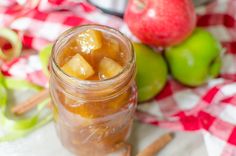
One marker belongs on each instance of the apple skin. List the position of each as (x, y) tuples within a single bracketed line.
[(196, 60), (151, 72), (161, 22)]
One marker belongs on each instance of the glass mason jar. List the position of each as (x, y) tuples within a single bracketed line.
[(93, 117)]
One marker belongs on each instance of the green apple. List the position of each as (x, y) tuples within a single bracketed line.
[(151, 72), (196, 59), (44, 55)]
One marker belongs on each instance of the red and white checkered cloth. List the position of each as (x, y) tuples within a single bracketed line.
[(209, 109)]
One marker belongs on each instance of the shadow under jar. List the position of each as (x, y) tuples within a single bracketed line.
[(93, 117)]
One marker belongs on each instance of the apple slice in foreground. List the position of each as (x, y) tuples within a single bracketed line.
[(78, 67), (108, 68)]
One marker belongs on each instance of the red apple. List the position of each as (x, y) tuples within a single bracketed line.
[(161, 22)]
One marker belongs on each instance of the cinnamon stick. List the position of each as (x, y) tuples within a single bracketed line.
[(157, 145), (30, 103), (128, 150)]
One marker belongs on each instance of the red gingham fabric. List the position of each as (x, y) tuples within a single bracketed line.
[(209, 109), (41, 21)]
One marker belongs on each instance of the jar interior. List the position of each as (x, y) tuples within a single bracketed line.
[(68, 48)]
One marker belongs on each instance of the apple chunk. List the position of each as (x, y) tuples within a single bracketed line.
[(112, 48), (89, 40), (108, 68), (78, 67)]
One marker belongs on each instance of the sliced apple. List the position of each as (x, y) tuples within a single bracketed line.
[(112, 48), (90, 40), (109, 49), (78, 67), (108, 68), (118, 102)]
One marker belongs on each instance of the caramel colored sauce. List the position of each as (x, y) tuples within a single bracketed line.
[(75, 119)]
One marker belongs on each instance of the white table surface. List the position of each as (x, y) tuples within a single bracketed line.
[(44, 142)]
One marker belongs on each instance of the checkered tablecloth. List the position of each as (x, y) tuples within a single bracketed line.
[(209, 109)]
